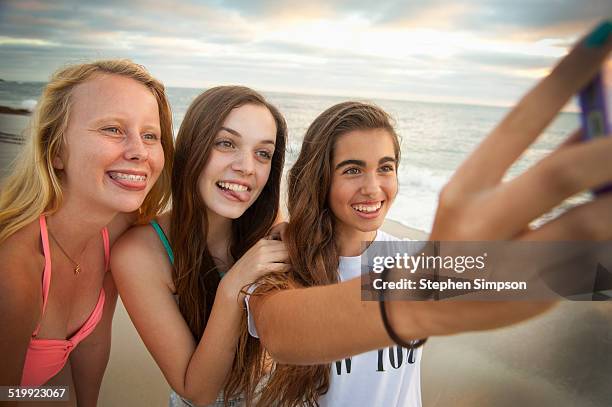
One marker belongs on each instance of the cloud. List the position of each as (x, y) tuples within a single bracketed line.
[(34, 6), (519, 19), (527, 19), (32, 42), (433, 49), (507, 59)]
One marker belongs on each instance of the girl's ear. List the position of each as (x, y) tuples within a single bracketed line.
[(58, 163)]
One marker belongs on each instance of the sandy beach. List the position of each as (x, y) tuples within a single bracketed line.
[(561, 359)]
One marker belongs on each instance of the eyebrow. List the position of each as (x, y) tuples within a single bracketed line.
[(121, 119), (361, 163), (104, 120), (237, 134), (152, 128)]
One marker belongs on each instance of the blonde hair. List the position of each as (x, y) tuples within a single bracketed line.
[(33, 187)]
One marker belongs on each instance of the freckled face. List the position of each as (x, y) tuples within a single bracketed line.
[(364, 179), (112, 154), (240, 161)]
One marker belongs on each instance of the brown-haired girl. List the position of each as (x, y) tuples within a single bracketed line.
[(181, 277), (353, 151)]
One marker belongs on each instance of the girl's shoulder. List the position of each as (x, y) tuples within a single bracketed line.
[(144, 237), (23, 249), (140, 248)]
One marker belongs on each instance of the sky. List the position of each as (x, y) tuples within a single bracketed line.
[(478, 51)]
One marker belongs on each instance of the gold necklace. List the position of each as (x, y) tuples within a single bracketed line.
[(77, 267)]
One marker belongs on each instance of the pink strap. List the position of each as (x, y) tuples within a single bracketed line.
[(46, 277), (44, 237), (106, 241), (92, 321)]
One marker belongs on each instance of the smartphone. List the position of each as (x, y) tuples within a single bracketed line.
[(595, 103)]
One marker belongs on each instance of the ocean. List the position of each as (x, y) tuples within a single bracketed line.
[(435, 139)]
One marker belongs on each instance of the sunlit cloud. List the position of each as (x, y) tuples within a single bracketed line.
[(32, 42)]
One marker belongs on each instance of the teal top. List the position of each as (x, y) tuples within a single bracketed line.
[(164, 240), (166, 243)]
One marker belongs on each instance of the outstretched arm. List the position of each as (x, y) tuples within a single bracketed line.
[(311, 325)]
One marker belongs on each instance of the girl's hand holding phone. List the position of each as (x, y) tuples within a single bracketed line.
[(476, 205)]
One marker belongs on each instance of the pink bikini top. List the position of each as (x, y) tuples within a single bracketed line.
[(46, 357)]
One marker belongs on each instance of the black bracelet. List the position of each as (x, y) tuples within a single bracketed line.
[(385, 318)]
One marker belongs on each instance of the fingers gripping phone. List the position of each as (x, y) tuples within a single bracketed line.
[(595, 103)]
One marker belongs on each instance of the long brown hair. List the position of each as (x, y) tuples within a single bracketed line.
[(34, 187), (195, 274), (310, 236)]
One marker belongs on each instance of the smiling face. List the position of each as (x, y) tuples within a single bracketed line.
[(364, 180), (112, 153), (239, 163)]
